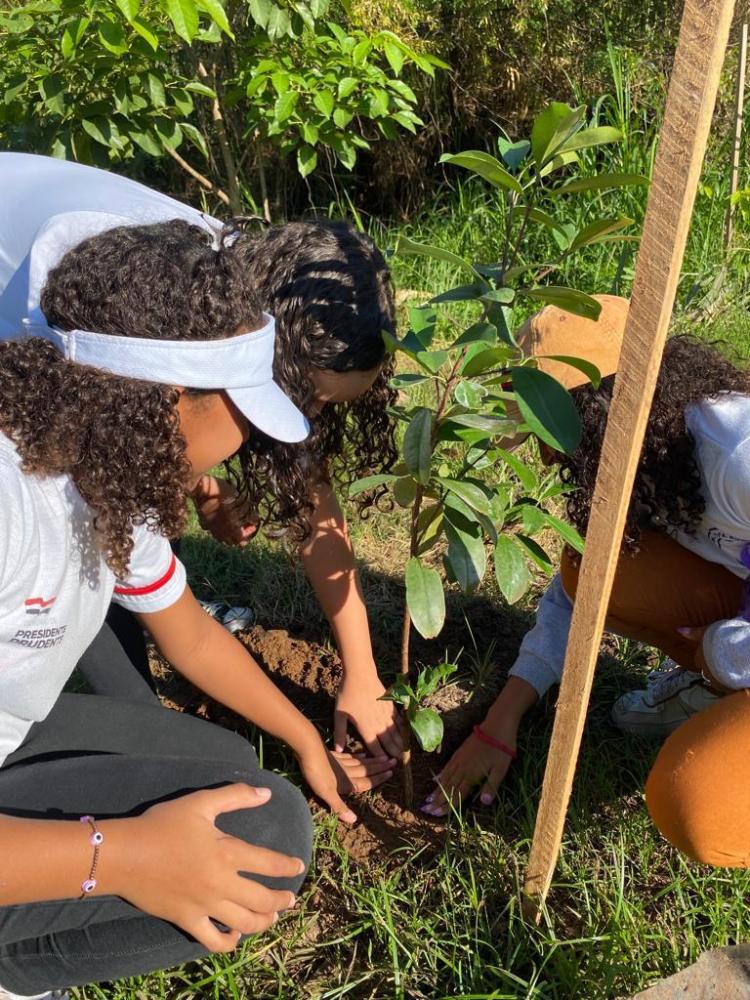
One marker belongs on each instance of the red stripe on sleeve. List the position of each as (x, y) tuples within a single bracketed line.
[(151, 587)]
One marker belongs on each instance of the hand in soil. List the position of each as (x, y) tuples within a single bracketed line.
[(472, 763), (152, 853), (376, 721), (332, 775)]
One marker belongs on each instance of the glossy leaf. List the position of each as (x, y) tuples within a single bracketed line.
[(466, 555), (470, 493), (511, 571), (407, 246), (513, 153), (569, 299), (547, 408), (184, 16), (425, 598), (417, 445), (596, 231), (486, 166), (369, 483), (404, 491), (600, 182), (553, 127), (428, 728), (590, 137), (590, 370), (477, 333), (526, 475)]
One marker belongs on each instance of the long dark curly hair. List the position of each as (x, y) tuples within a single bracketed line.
[(330, 291), (667, 491), (119, 439)]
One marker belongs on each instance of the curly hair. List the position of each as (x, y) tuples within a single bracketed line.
[(667, 490), (119, 439), (330, 291)]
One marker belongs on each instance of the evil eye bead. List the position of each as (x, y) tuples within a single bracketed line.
[(96, 839), (88, 886)]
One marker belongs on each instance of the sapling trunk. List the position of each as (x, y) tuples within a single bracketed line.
[(405, 637)]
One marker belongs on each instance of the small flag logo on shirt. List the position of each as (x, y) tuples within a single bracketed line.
[(38, 606)]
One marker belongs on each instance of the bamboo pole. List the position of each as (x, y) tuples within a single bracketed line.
[(690, 103), (737, 150)]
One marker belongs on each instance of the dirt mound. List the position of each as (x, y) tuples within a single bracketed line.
[(309, 674)]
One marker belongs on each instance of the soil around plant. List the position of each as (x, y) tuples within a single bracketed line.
[(309, 675)]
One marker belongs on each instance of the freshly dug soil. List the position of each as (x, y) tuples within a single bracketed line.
[(309, 674)]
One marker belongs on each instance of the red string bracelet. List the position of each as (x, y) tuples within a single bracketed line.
[(492, 742)]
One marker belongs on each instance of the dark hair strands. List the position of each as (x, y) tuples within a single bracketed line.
[(119, 439), (667, 494)]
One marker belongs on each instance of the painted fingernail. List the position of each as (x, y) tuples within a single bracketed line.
[(486, 799), (430, 797), (684, 630), (263, 793), (338, 748)]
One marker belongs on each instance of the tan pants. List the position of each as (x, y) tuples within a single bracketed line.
[(698, 791)]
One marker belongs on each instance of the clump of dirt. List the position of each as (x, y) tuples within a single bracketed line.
[(309, 675)]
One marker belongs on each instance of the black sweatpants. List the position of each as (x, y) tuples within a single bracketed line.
[(114, 757)]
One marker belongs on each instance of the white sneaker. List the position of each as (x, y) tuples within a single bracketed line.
[(673, 694), (233, 619), (54, 995)]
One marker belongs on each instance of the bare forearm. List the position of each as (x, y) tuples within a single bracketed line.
[(49, 859), (328, 558), (510, 706), (221, 667)]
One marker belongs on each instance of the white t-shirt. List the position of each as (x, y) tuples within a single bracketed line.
[(55, 589), (33, 189)]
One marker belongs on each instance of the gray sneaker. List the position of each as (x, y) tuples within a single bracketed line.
[(672, 695), (54, 995), (233, 619)]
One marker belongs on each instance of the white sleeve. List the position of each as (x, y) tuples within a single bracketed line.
[(157, 577)]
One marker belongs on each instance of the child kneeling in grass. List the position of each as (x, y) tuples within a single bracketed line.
[(681, 586), (331, 295), (125, 828)]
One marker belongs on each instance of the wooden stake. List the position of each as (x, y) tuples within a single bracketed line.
[(738, 117), (690, 102)]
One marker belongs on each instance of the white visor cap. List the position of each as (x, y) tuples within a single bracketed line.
[(241, 365)]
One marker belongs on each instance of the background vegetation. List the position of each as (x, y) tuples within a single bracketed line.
[(165, 90)]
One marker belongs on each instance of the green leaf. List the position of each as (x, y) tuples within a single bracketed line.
[(395, 56), (532, 517), (547, 408), (513, 153), (594, 232), (600, 182), (285, 105), (182, 100), (400, 692), (432, 361), (279, 23), (511, 572), (52, 90), (407, 246), (590, 370), (425, 598), (469, 394), (553, 127), (481, 422), (218, 15), (428, 728), (558, 162), (200, 88), (405, 491), (369, 483), (325, 102), (417, 445), (408, 380), (477, 333), (422, 320), (342, 118), (169, 132), (590, 137), (260, 11), (347, 86), (462, 293), (526, 475), (466, 555), (156, 91), (549, 222), (431, 678), (361, 51), (129, 8), (470, 493), (569, 299), (146, 34), (112, 37), (98, 130), (486, 166), (502, 295), (485, 360), (307, 160), (147, 142), (566, 531), (535, 552), (184, 16), (195, 136), (72, 35)]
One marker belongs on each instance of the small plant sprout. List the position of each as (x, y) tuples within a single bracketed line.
[(469, 392)]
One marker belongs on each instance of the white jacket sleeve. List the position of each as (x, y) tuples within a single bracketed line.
[(542, 654)]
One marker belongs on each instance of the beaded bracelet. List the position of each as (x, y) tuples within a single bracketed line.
[(491, 741), (96, 839)]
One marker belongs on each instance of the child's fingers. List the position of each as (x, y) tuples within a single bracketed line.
[(340, 726), (363, 767), (244, 921), (392, 741), (370, 781), (493, 782), (231, 797), (207, 934), (263, 861), (374, 747)]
